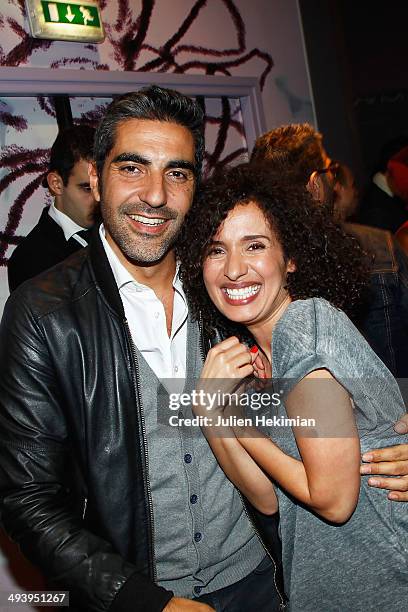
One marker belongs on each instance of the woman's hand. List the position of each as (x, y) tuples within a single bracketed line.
[(231, 361), (262, 367), (227, 364)]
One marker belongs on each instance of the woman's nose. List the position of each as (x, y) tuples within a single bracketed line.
[(235, 265)]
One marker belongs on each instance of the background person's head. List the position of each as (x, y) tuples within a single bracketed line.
[(299, 148), (300, 142), (67, 178), (325, 262)]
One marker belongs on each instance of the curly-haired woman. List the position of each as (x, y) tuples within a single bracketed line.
[(256, 252)]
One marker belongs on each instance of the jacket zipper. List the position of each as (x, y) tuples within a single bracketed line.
[(282, 604), (143, 446)]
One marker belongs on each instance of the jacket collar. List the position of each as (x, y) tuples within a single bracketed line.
[(103, 272)]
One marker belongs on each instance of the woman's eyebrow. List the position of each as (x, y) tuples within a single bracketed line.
[(244, 238), (255, 236)]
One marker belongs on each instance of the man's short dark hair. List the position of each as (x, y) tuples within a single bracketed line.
[(155, 104), (300, 145), (70, 146)]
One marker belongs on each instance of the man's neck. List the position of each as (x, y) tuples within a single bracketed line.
[(158, 276), (68, 225), (58, 204), (160, 279)]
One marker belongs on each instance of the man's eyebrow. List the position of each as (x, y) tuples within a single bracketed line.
[(139, 159), (181, 163), (131, 157)]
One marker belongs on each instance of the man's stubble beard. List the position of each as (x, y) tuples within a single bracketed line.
[(136, 247)]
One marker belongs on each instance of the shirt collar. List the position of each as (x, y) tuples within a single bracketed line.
[(123, 276), (380, 180), (68, 226)]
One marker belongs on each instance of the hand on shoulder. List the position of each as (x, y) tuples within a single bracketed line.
[(391, 461)]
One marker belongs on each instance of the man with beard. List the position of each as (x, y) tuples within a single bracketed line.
[(113, 505)]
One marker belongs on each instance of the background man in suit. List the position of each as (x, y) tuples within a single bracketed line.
[(62, 227), (384, 203)]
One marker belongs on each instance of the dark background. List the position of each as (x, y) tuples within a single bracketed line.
[(358, 60)]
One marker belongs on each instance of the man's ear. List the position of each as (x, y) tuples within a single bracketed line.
[(291, 266), (315, 187), (55, 183), (94, 181)]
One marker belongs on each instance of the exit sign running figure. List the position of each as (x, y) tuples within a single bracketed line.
[(73, 21)]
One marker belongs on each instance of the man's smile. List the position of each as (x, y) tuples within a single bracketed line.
[(148, 220), (148, 225)]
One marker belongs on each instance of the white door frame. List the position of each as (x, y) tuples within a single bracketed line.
[(16, 82)]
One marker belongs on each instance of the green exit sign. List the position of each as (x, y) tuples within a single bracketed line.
[(75, 21), (61, 12)]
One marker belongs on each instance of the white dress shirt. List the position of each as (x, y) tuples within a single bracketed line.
[(147, 320), (380, 180), (68, 226)]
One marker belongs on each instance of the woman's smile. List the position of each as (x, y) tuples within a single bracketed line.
[(241, 293)]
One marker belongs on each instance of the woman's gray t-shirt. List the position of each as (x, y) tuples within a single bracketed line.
[(363, 564)]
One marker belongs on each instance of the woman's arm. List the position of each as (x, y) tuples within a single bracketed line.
[(242, 470), (226, 364), (327, 479)]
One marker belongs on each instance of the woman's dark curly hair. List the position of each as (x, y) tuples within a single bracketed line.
[(329, 263)]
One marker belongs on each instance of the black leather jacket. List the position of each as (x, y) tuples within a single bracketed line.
[(73, 478)]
